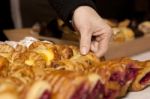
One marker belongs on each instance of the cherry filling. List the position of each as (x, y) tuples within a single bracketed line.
[(46, 95), (145, 79), (80, 93), (131, 73), (97, 91), (116, 76), (111, 94)]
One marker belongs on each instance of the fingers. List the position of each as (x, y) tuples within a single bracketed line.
[(85, 42), (94, 46), (99, 46), (103, 42), (102, 47)]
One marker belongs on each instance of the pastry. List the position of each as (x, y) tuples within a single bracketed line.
[(74, 85), (142, 80), (47, 50), (4, 64), (144, 27), (38, 90), (33, 69), (123, 34)]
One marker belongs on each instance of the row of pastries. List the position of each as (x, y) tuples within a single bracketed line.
[(125, 30), (128, 30)]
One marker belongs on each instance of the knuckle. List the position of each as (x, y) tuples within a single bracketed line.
[(109, 31)]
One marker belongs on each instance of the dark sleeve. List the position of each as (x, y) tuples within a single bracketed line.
[(65, 8)]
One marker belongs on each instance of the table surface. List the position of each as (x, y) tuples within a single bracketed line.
[(144, 94)]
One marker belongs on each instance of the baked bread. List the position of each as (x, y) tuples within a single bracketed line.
[(142, 80), (73, 85), (4, 65), (6, 50), (8, 90), (123, 34), (36, 69), (144, 27), (37, 90), (47, 50)]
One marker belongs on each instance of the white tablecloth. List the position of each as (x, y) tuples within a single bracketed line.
[(142, 56)]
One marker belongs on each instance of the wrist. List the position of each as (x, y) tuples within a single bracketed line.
[(82, 10), (85, 11)]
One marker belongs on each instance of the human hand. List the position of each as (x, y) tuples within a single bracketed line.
[(95, 33)]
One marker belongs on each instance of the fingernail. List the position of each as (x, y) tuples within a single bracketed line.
[(84, 50)]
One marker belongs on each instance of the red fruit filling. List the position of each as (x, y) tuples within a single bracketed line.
[(131, 73), (145, 79), (111, 94), (80, 93), (46, 95), (97, 91), (116, 76)]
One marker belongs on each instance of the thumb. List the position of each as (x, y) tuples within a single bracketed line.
[(85, 42)]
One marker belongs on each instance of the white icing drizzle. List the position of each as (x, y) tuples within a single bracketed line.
[(27, 41), (12, 43)]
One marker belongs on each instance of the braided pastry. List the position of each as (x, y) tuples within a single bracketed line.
[(36, 69)]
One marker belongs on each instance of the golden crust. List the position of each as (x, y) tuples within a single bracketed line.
[(64, 51), (6, 50), (36, 90), (46, 50), (123, 34), (34, 59), (20, 48), (24, 74), (4, 64), (65, 73), (65, 84), (8, 90), (137, 83)]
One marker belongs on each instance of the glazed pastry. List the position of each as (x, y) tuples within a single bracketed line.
[(123, 72), (142, 80), (65, 51), (74, 85), (77, 62), (144, 27), (39, 73), (34, 59), (37, 90), (68, 65), (24, 74), (123, 34), (20, 48), (44, 70), (117, 74), (8, 95), (6, 50), (80, 64), (47, 50), (4, 64), (97, 86), (8, 90)]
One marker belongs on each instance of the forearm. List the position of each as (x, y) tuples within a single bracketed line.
[(65, 8)]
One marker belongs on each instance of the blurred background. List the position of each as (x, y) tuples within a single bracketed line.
[(27, 13), (129, 19)]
